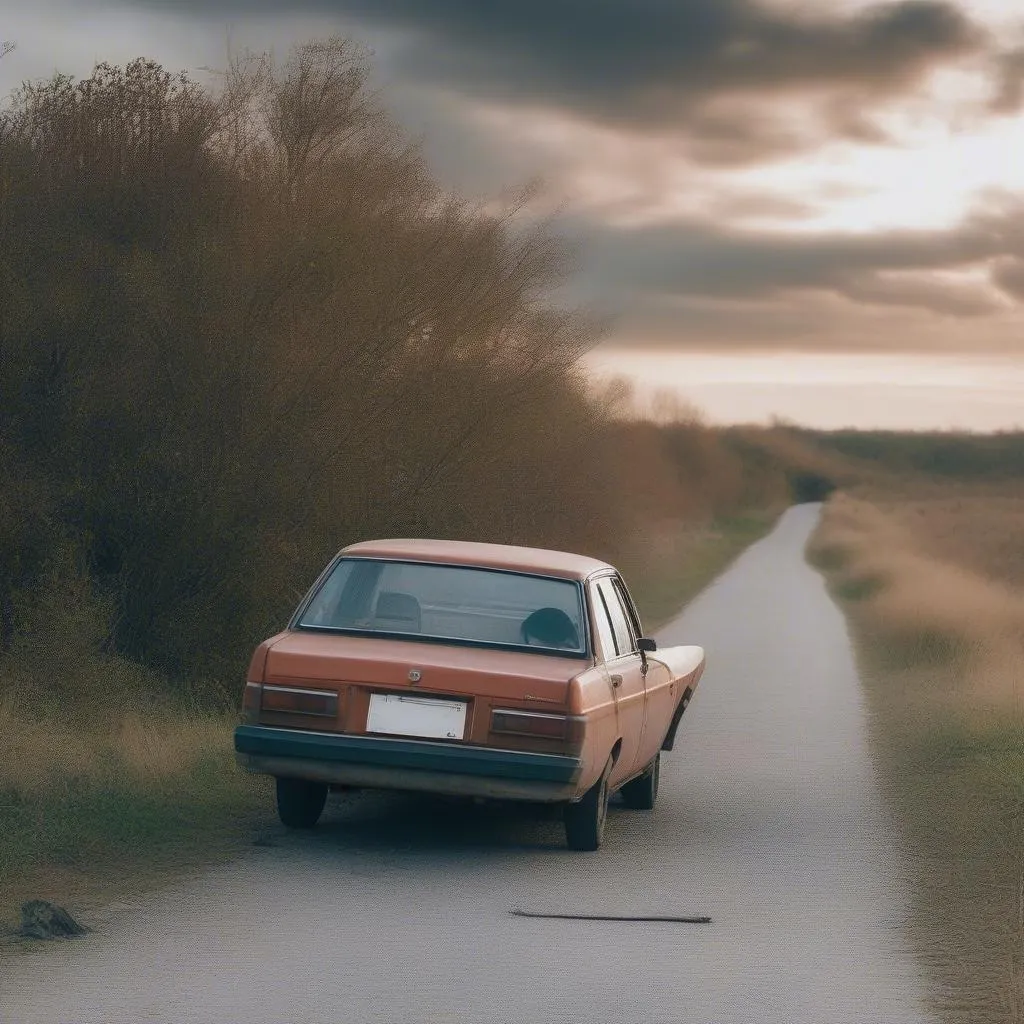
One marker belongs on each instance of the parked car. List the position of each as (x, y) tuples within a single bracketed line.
[(482, 670)]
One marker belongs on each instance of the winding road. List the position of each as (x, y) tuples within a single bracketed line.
[(397, 909)]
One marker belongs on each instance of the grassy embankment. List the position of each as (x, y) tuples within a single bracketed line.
[(931, 574)]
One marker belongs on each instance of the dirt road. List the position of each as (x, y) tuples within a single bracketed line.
[(397, 908)]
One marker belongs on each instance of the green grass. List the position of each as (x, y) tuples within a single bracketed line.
[(858, 588), (959, 793), (662, 592), (84, 820), (78, 836)]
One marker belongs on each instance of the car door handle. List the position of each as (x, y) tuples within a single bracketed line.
[(616, 681)]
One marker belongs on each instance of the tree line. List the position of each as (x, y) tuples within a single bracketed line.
[(242, 326)]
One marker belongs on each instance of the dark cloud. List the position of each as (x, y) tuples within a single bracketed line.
[(709, 82), (1009, 93), (1008, 274), (704, 68), (696, 322), (655, 54), (675, 266), (909, 291), (809, 321)]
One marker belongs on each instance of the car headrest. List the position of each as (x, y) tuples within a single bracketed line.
[(400, 607), (551, 626)]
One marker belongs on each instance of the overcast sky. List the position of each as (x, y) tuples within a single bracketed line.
[(743, 177)]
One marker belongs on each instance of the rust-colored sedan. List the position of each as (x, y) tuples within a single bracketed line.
[(481, 670)]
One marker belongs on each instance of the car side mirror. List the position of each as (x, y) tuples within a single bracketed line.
[(647, 644)]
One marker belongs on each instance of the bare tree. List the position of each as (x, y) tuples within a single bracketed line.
[(288, 336)]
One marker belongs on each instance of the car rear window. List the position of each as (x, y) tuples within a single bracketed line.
[(447, 602)]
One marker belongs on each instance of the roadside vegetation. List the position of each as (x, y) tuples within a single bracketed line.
[(931, 574), (951, 455), (241, 327)]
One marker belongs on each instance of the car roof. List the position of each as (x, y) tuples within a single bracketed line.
[(491, 556)]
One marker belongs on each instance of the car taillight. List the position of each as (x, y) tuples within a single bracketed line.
[(530, 723), (251, 702), (292, 700)]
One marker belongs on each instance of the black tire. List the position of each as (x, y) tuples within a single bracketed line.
[(584, 821), (641, 793), (300, 802)]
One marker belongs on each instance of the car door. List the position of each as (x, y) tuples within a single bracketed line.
[(625, 674), (660, 690)]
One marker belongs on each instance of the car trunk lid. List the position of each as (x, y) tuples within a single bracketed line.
[(329, 660)]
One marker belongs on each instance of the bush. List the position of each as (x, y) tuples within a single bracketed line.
[(242, 329)]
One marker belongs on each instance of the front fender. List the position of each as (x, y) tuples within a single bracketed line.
[(687, 666)]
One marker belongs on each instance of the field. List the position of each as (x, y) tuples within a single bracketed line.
[(931, 576)]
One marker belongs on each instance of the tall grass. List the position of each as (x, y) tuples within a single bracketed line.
[(941, 647), (919, 608), (87, 806)]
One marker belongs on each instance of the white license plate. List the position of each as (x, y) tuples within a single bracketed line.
[(398, 715)]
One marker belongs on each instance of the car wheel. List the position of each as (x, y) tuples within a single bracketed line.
[(584, 821), (640, 793), (300, 802)]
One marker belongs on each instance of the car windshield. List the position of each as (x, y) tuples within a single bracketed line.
[(458, 603)]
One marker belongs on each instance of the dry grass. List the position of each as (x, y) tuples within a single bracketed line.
[(934, 590), (46, 752), (919, 609), (90, 805), (982, 532)]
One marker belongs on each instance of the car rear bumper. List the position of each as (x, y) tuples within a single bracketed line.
[(384, 763)]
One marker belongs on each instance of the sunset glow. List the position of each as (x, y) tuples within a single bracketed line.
[(929, 176), (830, 391)]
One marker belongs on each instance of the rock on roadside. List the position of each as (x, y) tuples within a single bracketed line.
[(43, 920)]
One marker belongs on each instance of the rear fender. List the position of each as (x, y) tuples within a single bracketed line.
[(591, 697), (609, 766)]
